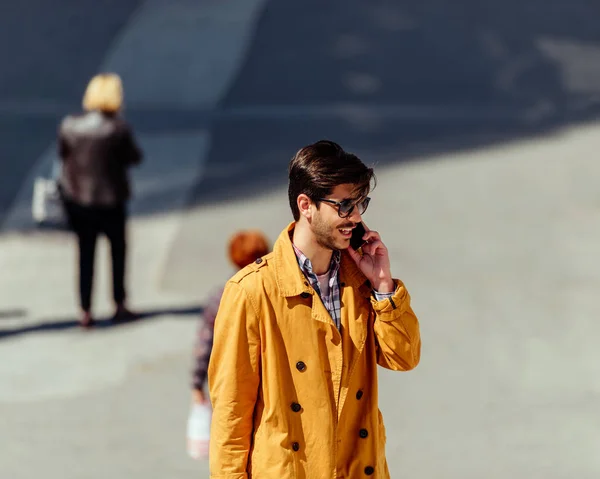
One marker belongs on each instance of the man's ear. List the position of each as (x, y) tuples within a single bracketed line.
[(304, 204)]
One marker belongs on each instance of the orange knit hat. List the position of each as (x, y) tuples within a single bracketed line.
[(246, 246)]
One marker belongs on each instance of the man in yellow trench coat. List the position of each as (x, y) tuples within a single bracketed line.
[(299, 335)]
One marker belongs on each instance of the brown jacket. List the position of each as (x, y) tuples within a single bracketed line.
[(96, 149)]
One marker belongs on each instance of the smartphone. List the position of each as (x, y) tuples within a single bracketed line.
[(356, 240)]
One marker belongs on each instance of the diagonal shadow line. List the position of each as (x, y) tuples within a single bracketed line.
[(55, 325)]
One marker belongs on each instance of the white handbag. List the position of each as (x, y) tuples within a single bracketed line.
[(47, 206), (198, 430)]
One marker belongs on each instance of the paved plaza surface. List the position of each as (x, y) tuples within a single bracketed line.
[(480, 122)]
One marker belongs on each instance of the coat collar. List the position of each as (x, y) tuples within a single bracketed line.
[(291, 280)]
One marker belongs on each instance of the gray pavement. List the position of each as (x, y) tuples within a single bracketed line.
[(478, 117)]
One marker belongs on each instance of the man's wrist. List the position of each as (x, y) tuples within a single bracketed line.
[(385, 286)]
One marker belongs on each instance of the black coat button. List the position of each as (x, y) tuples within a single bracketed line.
[(300, 366), (305, 295), (258, 261), (369, 471), (295, 446), (359, 395), (296, 407), (363, 433)]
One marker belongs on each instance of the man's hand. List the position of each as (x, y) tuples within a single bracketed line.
[(374, 262)]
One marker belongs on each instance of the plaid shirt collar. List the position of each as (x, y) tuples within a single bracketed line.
[(331, 298)]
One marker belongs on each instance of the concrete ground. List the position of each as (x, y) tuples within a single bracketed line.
[(481, 130)]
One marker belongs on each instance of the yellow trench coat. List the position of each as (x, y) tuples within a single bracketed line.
[(294, 397)]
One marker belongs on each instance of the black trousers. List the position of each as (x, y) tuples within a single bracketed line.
[(88, 222)]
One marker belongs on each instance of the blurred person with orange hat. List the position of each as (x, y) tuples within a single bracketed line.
[(244, 247)]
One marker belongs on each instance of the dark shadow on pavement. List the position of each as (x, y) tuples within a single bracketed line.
[(400, 81), (391, 81), (56, 325), (53, 49)]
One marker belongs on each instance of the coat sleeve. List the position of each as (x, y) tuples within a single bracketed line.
[(63, 148), (130, 151), (204, 340), (233, 378), (397, 331), (202, 354)]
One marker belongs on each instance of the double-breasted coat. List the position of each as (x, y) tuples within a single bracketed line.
[(293, 396)]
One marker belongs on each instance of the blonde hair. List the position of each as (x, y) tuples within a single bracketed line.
[(104, 92)]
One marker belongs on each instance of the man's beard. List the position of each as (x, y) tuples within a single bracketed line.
[(326, 234)]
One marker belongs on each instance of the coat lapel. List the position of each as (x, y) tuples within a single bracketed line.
[(289, 277)]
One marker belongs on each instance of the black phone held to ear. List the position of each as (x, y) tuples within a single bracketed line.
[(356, 240)]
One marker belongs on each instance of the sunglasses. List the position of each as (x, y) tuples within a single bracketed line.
[(346, 207)]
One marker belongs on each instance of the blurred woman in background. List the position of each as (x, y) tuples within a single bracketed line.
[(244, 248), (97, 147)]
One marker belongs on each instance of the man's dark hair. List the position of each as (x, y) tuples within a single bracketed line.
[(318, 168)]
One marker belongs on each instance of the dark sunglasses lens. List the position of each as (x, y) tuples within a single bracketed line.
[(345, 208), (362, 206)]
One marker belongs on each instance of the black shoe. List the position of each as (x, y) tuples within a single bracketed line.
[(123, 315)]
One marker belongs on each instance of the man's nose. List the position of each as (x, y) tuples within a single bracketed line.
[(355, 216)]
